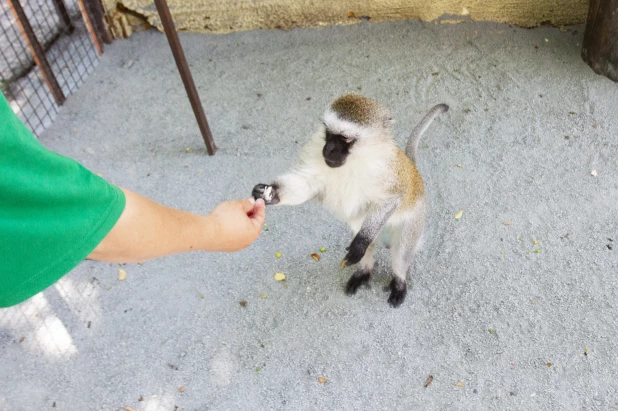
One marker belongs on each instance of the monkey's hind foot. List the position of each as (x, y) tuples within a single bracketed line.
[(358, 278), (399, 289)]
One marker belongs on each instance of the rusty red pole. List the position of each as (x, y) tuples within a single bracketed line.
[(185, 74), (37, 51)]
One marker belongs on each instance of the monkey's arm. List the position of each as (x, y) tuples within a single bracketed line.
[(292, 188), (370, 229)]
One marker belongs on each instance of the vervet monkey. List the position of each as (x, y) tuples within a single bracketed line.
[(354, 168)]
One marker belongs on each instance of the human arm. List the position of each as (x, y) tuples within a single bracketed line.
[(148, 230)]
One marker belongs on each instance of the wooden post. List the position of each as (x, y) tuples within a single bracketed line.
[(600, 45)]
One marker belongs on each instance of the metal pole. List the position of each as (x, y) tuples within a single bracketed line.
[(64, 15), (90, 26), (185, 74), (37, 51), (98, 14)]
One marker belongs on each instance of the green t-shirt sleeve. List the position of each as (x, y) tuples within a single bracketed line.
[(53, 212)]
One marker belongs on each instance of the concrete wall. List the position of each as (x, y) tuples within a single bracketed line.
[(221, 16)]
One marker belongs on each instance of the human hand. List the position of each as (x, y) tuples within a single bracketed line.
[(236, 224)]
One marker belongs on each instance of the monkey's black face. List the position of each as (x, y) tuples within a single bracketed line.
[(336, 149)]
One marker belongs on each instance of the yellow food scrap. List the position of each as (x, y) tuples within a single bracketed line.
[(278, 255), (322, 380), (507, 223), (181, 389), (279, 276), (459, 384), (122, 274), (458, 215), (315, 257)]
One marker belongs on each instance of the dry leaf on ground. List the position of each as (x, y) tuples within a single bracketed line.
[(122, 274), (279, 276), (315, 257), (322, 380)]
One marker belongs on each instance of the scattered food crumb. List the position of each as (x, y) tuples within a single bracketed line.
[(540, 95), (466, 110), (459, 384), (181, 389), (512, 364), (265, 228), (324, 249), (491, 331), (549, 364), (459, 165), (546, 40), (535, 242), (571, 112), (428, 381), (122, 274), (279, 276), (21, 340), (141, 398), (201, 295), (351, 14), (458, 215), (537, 251), (507, 223), (243, 303), (315, 257), (435, 73), (610, 247), (536, 46), (188, 149), (593, 173), (532, 302), (586, 352), (244, 127), (259, 95), (308, 98), (322, 380), (263, 297), (127, 408)]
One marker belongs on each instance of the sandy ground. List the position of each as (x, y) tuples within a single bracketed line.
[(519, 316)]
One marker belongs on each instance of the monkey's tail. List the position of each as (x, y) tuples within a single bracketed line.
[(412, 146)]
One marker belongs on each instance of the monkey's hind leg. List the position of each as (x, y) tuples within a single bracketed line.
[(362, 275), (406, 241)]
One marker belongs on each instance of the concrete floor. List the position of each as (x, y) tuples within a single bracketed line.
[(519, 316)]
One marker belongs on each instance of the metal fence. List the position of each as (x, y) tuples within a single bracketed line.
[(47, 50)]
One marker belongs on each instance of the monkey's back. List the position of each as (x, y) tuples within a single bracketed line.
[(408, 182)]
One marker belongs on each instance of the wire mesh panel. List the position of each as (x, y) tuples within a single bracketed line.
[(60, 29)]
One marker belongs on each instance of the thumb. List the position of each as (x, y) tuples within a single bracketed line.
[(259, 214), (247, 204)]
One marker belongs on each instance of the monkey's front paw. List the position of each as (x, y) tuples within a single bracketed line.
[(358, 279), (355, 254), (268, 193), (399, 289)]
